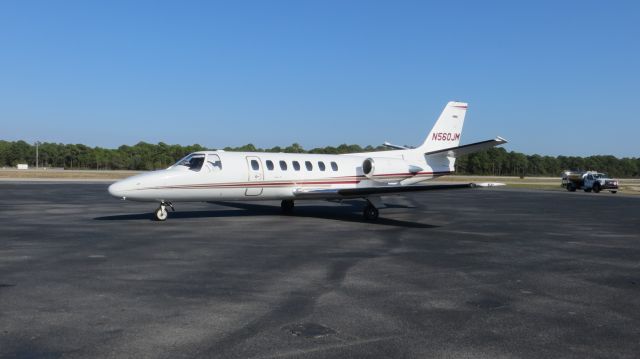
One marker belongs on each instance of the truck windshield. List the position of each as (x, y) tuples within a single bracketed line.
[(193, 161), (600, 175)]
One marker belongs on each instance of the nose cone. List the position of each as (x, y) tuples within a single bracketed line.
[(118, 189), (137, 188)]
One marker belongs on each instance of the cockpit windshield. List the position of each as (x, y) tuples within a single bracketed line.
[(193, 161)]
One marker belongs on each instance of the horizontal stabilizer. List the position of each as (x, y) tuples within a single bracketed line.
[(395, 147), (470, 148)]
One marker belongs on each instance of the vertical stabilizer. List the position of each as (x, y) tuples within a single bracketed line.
[(447, 130)]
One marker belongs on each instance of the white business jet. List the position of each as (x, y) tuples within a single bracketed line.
[(234, 176)]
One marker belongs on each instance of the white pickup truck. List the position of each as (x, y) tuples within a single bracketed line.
[(588, 181)]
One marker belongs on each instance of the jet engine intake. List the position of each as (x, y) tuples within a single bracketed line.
[(388, 170)]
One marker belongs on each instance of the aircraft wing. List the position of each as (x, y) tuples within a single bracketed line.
[(470, 148), (372, 191)]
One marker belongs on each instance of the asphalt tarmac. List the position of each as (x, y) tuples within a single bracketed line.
[(479, 273)]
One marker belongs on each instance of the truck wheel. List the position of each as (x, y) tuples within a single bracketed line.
[(571, 187), (614, 191), (596, 188)]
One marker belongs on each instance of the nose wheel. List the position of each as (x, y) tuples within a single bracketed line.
[(161, 213)]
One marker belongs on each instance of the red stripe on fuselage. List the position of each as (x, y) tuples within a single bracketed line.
[(337, 180)]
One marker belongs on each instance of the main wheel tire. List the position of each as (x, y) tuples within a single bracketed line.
[(287, 206), (161, 213), (596, 188), (370, 213)]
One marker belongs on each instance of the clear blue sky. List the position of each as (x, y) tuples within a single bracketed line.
[(553, 77)]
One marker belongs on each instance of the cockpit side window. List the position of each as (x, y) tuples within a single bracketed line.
[(214, 163)]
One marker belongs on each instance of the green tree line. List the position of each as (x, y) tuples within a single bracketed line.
[(499, 162), (146, 156)]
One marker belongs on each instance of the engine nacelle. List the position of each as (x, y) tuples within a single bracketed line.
[(388, 170)]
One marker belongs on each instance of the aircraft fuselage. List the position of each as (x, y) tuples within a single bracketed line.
[(262, 176)]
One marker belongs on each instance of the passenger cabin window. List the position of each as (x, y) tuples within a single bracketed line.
[(334, 166), (308, 165), (255, 165), (321, 166), (269, 165), (283, 165), (296, 165)]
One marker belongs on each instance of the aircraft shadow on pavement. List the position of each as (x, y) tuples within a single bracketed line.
[(338, 213)]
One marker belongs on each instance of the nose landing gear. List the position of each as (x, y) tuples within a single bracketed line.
[(161, 213)]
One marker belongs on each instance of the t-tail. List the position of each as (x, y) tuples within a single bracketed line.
[(442, 145), (447, 130)]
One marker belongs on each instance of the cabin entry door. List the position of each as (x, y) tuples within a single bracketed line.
[(256, 174)]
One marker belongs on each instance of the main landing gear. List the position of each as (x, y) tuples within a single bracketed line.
[(287, 206), (161, 213), (370, 212)]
